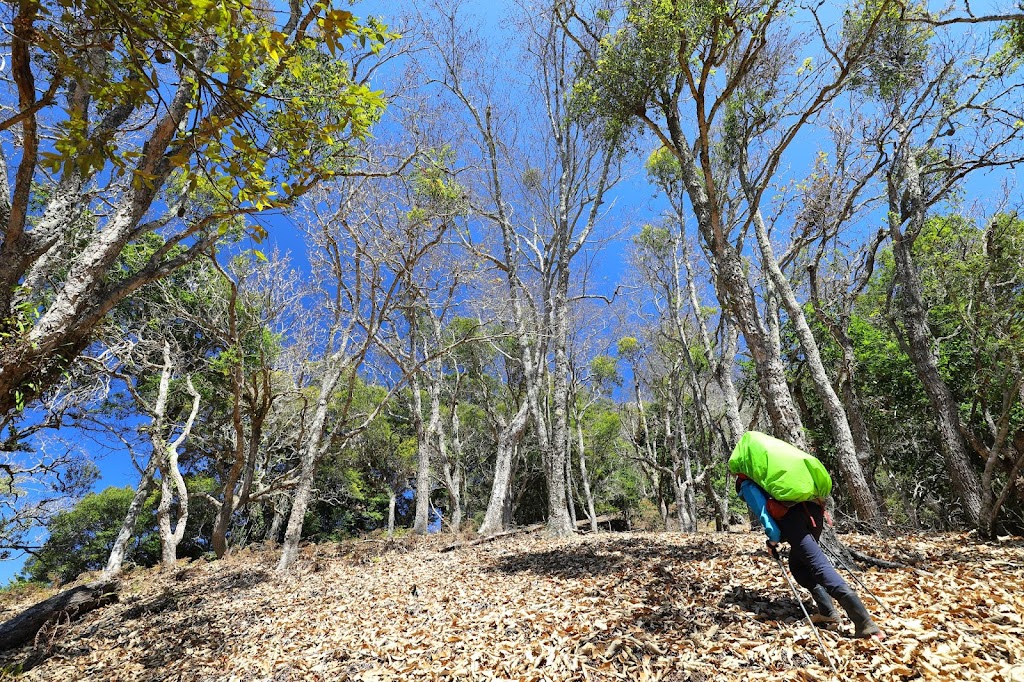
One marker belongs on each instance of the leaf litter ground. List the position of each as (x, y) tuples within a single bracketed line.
[(605, 607)]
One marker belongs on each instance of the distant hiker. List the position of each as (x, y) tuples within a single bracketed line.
[(785, 489)]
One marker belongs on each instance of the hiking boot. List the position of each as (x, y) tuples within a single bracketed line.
[(826, 614), (824, 621), (863, 625)]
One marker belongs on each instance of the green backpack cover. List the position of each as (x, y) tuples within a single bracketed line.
[(787, 473)]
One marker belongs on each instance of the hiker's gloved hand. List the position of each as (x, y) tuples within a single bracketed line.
[(773, 549)]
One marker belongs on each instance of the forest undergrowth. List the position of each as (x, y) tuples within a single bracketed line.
[(622, 606)]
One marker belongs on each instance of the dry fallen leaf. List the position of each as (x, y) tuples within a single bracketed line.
[(608, 607)]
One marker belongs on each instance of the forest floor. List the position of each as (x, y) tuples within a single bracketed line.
[(622, 606)]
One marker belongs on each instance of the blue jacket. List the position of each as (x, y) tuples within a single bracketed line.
[(757, 500)]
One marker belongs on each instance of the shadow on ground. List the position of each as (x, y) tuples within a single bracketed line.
[(588, 560), (765, 606), (177, 612)]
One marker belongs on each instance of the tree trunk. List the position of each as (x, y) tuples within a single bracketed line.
[(560, 521), (917, 337), (663, 509), (585, 477), (453, 470), (858, 425), (171, 533), (118, 551), (680, 474), (570, 491), (735, 293), (423, 447), (724, 373), (919, 342), (497, 516), (770, 371), (679, 484), (846, 453), (280, 512), (690, 489), (70, 603), (242, 470), (437, 439), (452, 484), (229, 498), (722, 366), (554, 462), (219, 534), (168, 543), (392, 503), (719, 502), (310, 458)]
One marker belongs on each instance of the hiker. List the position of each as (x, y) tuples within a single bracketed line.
[(798, 523)]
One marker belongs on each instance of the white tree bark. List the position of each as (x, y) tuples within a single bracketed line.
[(588, 495), (124, 536), (453, 470), (172, 532), (310, 458), (163, 458), (496, 517), (424, 448), (846, 452), (392, 502)]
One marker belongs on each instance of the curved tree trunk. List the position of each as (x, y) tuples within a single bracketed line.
[(905, 180), (310, 457), (166, 453), (496, 517), (735, 294), (120, 548), (846, 453)]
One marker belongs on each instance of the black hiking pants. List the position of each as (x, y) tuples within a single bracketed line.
[(801, 527)]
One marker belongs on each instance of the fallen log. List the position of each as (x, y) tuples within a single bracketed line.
[(607, 518), (882, 563), (69, 603), (492, 538)]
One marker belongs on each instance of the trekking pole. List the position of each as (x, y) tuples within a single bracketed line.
[(842, 562), (796, 595)]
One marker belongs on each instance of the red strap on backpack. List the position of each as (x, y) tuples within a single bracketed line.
[(810, 516), (776, 509)]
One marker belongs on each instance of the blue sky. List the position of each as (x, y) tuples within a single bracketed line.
[(635, 197)]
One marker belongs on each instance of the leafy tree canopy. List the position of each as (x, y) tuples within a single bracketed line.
[(82, 537)]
